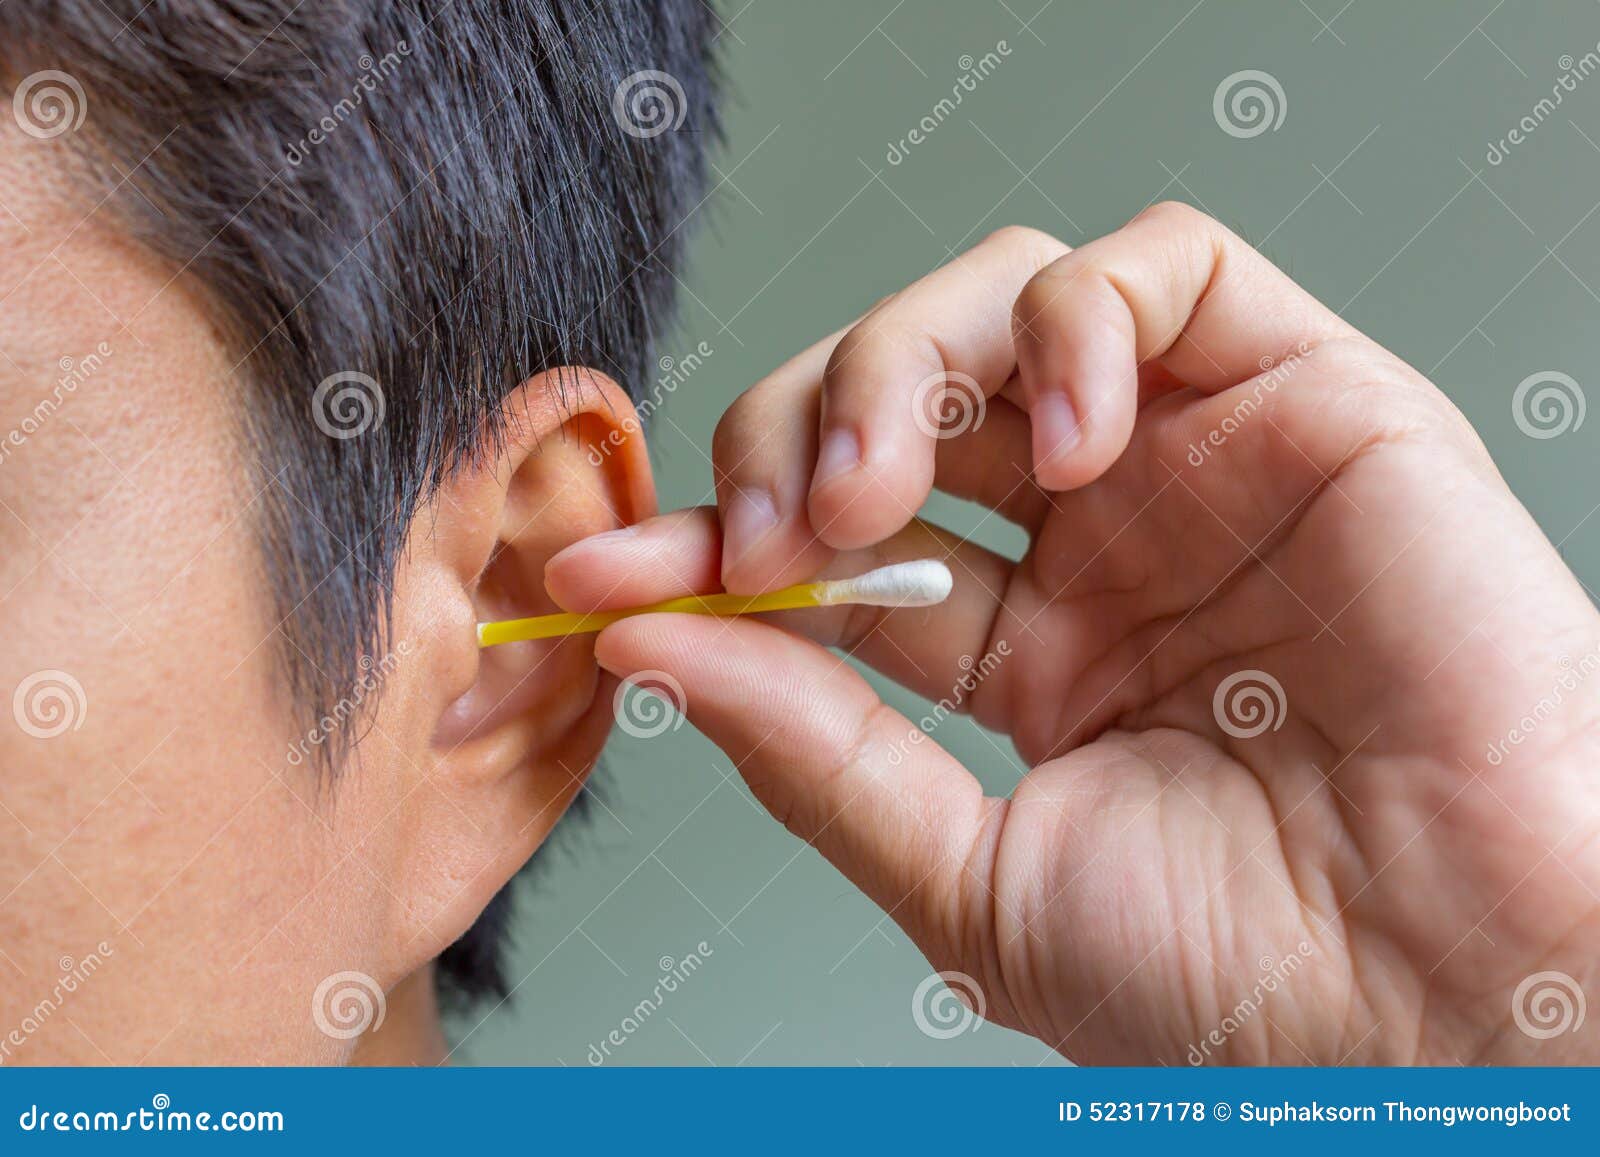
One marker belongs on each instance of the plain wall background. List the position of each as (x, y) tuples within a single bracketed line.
[(1376, 191)]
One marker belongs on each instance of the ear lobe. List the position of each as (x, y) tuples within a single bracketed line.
[(517, 727)]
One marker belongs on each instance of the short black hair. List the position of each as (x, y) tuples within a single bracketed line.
[(397, 205)]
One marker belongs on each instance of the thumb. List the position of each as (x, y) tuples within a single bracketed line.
[(894, 812)]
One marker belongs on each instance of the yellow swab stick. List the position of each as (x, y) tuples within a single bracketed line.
[(905, 584)]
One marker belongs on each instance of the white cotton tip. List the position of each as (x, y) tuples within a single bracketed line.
[(905, 584)]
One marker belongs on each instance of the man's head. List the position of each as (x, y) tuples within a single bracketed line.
[(311, 319)]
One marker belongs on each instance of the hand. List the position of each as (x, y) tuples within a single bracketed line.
[(1226, 488)]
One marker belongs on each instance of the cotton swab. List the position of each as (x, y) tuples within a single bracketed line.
[(904, 584)]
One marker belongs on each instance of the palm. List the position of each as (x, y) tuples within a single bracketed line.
[(1296, 843)]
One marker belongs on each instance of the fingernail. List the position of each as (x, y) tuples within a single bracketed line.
[(840, 453), (751, 514), (1056, 429)]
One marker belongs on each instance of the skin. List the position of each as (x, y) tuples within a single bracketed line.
[(166, 839), (1348, 536)]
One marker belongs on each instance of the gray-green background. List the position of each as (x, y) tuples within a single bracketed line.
[(1376, 191)]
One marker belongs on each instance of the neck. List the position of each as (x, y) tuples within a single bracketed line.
[(411, 1033)]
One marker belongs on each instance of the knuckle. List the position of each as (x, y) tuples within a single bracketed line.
[(729, 440), (850, 347), (1192, 238), (1025, 248), (1025, 238), (1051, 289), (858, 338), (1178, 214), (863, 353)]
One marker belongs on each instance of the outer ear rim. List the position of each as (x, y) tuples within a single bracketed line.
[(528, 415)]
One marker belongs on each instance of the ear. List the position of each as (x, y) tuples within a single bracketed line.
[(500, 740)]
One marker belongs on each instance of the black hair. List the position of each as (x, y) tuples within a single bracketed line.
[(397, 211)]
